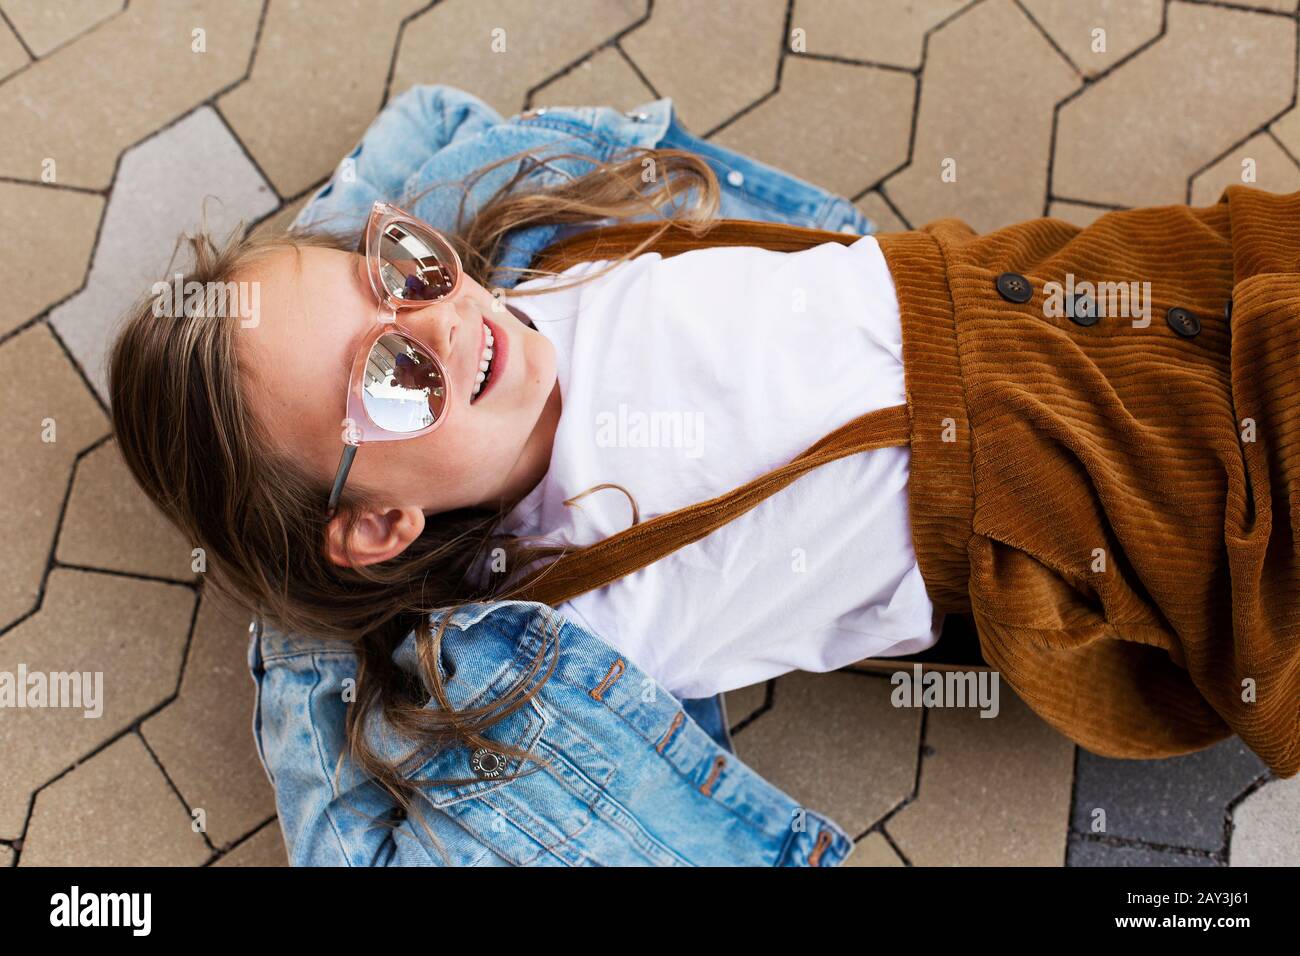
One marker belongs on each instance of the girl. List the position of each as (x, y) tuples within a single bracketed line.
[(736, 449)]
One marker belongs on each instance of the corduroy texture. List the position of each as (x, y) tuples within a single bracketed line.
[(1088, 492)]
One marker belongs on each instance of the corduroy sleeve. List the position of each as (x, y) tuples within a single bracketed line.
[(1128, 695)]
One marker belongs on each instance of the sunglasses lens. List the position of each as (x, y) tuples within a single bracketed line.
[(404, 389), (414, 264)]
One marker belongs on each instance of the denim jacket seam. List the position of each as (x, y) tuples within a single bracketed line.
[(672, 765), (328, 810)]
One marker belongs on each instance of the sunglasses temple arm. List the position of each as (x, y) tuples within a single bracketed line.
[(340, 477)]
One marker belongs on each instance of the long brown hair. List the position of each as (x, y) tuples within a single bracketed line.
[(183, 423)]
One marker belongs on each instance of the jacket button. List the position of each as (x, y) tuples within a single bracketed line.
[(1183, 322), (638, 117), (1014, 287), (1227, 309), (1082, 309), (487, 763)]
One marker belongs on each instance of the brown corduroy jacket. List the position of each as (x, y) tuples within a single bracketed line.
[(1115, 498)]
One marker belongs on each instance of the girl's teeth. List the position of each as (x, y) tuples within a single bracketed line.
[(485, 362), (483, 365)]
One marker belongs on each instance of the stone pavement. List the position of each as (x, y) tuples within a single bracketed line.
[(120, 123)]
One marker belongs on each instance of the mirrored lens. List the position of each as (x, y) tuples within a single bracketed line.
[(403, 389), (414, 264)]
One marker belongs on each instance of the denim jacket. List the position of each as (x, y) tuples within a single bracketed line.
[(626, 774)]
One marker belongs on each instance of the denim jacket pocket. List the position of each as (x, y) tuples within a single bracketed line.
[(524, 813)]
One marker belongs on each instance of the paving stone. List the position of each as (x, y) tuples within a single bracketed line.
[(713, 59), (1266, 826), (110, 524), (453, 43), (836, 744), (1215, 76), (7, 855), (131, 631), (1127, 24), (1282, 6), (162, 189), (284, 216), (315, 85), (802, 130), (37, 382), (607, 79), (993, 791), (991, 81), (90, 99), (12, 55), (892, 33), (744, 702), (59, 258), (1074, 212), (263, 848), (1095, 853), (44, 25), (115, 809), (1287, 130), (879, 212), (873, 850), (204, 738), (1270, 166), (1176, 801)]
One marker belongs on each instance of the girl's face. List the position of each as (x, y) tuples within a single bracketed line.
[(297, 359)]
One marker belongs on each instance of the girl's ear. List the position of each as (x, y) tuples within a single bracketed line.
[(377, 536)]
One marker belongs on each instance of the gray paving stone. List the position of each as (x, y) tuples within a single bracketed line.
[(1266, 826), (1177, 801), (1096, 853), (836, 744), (744, 702), (159, 192), (44, 25)]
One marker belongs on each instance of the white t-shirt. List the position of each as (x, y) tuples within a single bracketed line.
[(682, 378)]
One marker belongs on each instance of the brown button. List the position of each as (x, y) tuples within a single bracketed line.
[(1014, 287)]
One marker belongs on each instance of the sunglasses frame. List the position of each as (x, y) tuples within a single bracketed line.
[(358, 426)]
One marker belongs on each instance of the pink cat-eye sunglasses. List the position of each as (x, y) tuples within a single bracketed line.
[(399, 387)]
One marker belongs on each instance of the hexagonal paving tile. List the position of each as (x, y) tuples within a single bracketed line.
[(37, 385), (131, 632), (116, 809), (1084, 852), (880, 213), (45, 26), (110, 524), (713, 59), (1213, 77), (744, 702), (263, 848), (87, 101), (58, 258), (161, 190), (12, 55), (502, 50), (893, 32), (836, 744), (873, 850), (1124, 26), (993, 791), (1074, 212), (1177, 801), (1259, 157), (1266, 826), (204, 738), (801, 128), (607, 79), (315, 85), (991, 82), (7, 855)]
